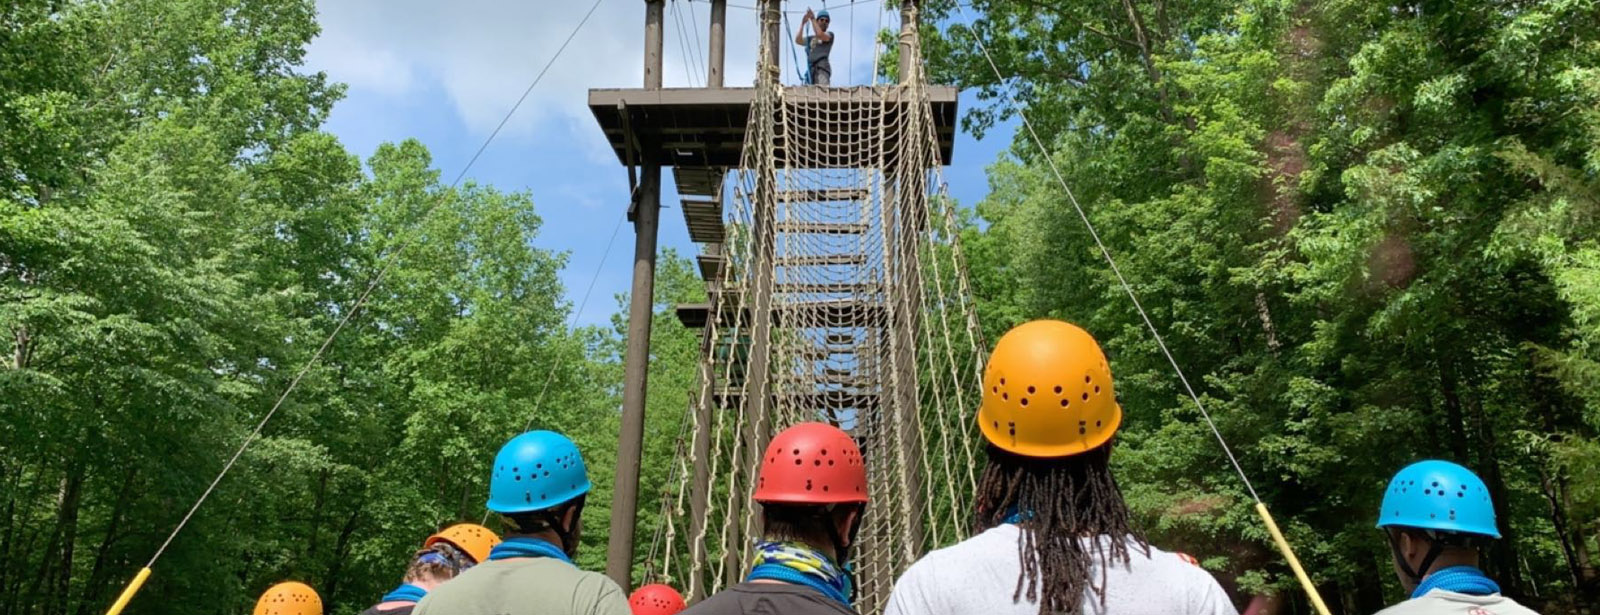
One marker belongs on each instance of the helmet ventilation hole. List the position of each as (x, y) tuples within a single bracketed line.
[(1058, 389)]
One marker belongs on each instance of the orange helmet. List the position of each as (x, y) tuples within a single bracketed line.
[(289, 598), (656, 599), (1047, 392), (473, 539)]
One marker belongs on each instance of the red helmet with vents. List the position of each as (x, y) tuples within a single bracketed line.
[(812, 463), (656, 599)]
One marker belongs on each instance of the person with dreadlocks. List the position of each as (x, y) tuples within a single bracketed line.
[(538, 487), (1051, 532), (1436, 514), (443, 556), (813, 490)]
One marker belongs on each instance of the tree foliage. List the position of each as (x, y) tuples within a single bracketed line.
[(177, 238), (1365, 231)]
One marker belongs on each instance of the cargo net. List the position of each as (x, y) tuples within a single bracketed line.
[(843, 297)]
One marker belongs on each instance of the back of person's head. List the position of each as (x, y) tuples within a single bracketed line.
[(471, 539), (1050, 415), (813, 482), (437, 563), (289, 598), (540, 483), (1441, 505)]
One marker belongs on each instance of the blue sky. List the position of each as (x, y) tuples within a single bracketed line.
[(446, 73)]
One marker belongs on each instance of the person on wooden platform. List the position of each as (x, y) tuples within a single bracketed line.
[(818, 70), (813, 490), (1436, 514), (538, 487), (1052, 534), (443, 556)]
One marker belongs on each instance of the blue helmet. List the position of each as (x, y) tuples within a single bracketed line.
[(823, 14), (536, 471), (1438, 495)]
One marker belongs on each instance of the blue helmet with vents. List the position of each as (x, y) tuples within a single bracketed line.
[(536, 471), (1440, 496)]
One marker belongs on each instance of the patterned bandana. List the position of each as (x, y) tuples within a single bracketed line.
[(793, 562), (1459, 579)]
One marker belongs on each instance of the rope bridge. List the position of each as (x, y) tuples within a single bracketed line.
[(838, 294)]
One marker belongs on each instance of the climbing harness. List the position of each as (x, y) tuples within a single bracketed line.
[(805, 76)]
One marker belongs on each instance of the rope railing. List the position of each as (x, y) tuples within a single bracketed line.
[(842, 279)]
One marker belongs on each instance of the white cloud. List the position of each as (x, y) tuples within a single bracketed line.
[(483, 53)]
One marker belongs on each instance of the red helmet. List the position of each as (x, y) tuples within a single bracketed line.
[(656, 599), (812, 463)]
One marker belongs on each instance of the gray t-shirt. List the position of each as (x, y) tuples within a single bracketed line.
[(1441, 602), (526, 586), (979, 576), (817, 52), (768, 599)]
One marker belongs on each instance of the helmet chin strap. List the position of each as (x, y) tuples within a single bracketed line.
[(569, 543), (1416, 576), (841, 549)]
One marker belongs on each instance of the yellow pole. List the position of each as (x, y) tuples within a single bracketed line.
[(1294, 562), (127, 594)]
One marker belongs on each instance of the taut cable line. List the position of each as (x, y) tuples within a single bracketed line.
[(389, 261), (1261, 508)]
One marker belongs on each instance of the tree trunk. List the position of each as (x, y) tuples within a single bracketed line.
[(1558, 518), (1503, 553), (90, 598), (1454, 419), (341, 552), (48, 591)]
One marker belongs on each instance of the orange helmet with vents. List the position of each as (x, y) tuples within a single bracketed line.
[(289, 598), (473, 539), (1047, 392), (656, 599)]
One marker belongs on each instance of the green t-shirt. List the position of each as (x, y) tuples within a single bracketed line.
[(526, 586)]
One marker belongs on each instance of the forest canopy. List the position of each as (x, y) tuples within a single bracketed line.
[(1367, 230)]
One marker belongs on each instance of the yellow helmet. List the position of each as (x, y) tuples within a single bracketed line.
[(473, 539), (289, 598), (1047, 392)]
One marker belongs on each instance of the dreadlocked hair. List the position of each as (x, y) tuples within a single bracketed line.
[(1070, 512)]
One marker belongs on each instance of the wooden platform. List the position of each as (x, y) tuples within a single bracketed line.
[(704, 127), (835, 313)]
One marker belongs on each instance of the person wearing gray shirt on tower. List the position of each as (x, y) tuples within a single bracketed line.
[(818, 70)]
